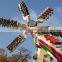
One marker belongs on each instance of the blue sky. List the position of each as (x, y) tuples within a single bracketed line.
[(9, 9)]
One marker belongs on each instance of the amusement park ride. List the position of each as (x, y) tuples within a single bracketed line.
[(44, 36)]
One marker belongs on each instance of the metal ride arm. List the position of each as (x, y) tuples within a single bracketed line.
[(12, 24), (18, 40), (25, 13), (45, 15), (9, 23)]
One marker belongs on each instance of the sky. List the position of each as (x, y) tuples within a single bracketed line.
[(9, 9)]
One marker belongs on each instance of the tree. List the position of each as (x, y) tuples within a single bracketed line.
[(23, 55)]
